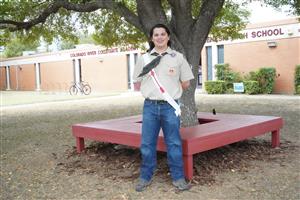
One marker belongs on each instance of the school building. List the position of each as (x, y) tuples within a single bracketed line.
[(106, 70), (272, 44)]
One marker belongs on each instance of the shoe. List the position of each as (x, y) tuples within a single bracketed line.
[(142, 184), (181, 184)]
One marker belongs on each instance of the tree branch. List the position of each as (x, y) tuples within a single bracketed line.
[(111, 5), (150, 13), (53, 8), (14, 25), (208, 12), (182, 10), (181, 20)]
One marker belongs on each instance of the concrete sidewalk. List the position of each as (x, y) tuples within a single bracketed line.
[(9, 99), (13, 98)]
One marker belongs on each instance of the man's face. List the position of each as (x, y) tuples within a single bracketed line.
[(160, 38)]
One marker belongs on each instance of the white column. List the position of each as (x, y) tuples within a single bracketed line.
[(37, 77), (77, 71), (214, 56), (131, 68), (17, 77), (7, 70)]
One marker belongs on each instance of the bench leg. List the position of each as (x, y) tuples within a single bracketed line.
[(188, 166), (275, 138), (79, 144)]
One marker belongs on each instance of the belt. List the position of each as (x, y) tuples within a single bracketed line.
[(157, 101)]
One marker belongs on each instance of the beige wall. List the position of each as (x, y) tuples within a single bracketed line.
[(105, 75), (27, 77), (108, 74), (22, 77), (56, 76), (250, 56), (2, 78), (13, 79)]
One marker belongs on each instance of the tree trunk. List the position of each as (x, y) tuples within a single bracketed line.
[(192, 37), (189, 110)]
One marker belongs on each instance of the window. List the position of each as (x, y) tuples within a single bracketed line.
[(209, 62), (220, 53)]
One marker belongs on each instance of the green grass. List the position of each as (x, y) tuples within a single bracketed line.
[(37, 144)]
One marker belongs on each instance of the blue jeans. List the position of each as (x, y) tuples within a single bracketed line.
[(156, 116)]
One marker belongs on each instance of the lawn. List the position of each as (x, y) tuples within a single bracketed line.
[(39, 161)]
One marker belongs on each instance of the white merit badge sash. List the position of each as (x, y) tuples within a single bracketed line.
[(161, 88)]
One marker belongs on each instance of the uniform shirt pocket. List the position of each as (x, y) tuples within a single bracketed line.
[(172, 71)]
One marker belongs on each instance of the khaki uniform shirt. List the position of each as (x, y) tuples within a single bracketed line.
[(171, 71)]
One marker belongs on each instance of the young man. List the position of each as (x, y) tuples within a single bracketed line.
[(163, 74)]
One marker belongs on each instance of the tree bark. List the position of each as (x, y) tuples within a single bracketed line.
[(191, 34)]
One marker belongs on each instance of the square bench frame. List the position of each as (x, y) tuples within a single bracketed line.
[(212, 132)]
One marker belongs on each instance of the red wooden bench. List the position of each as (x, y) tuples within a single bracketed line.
[(212, 132)]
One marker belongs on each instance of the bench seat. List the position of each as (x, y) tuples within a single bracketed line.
[(213, 131)]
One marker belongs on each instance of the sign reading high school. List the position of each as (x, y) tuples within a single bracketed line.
[(267, 33), (274, 32)]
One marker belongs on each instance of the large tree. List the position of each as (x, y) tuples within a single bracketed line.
[(190, 22)]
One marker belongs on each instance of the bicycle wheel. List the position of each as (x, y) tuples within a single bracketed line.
[(86, 89), (73, 90)]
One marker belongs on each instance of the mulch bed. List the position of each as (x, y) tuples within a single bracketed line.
[(121, 162)]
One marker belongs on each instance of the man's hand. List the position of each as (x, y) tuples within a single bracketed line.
[(137, 86), (185, 85)]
